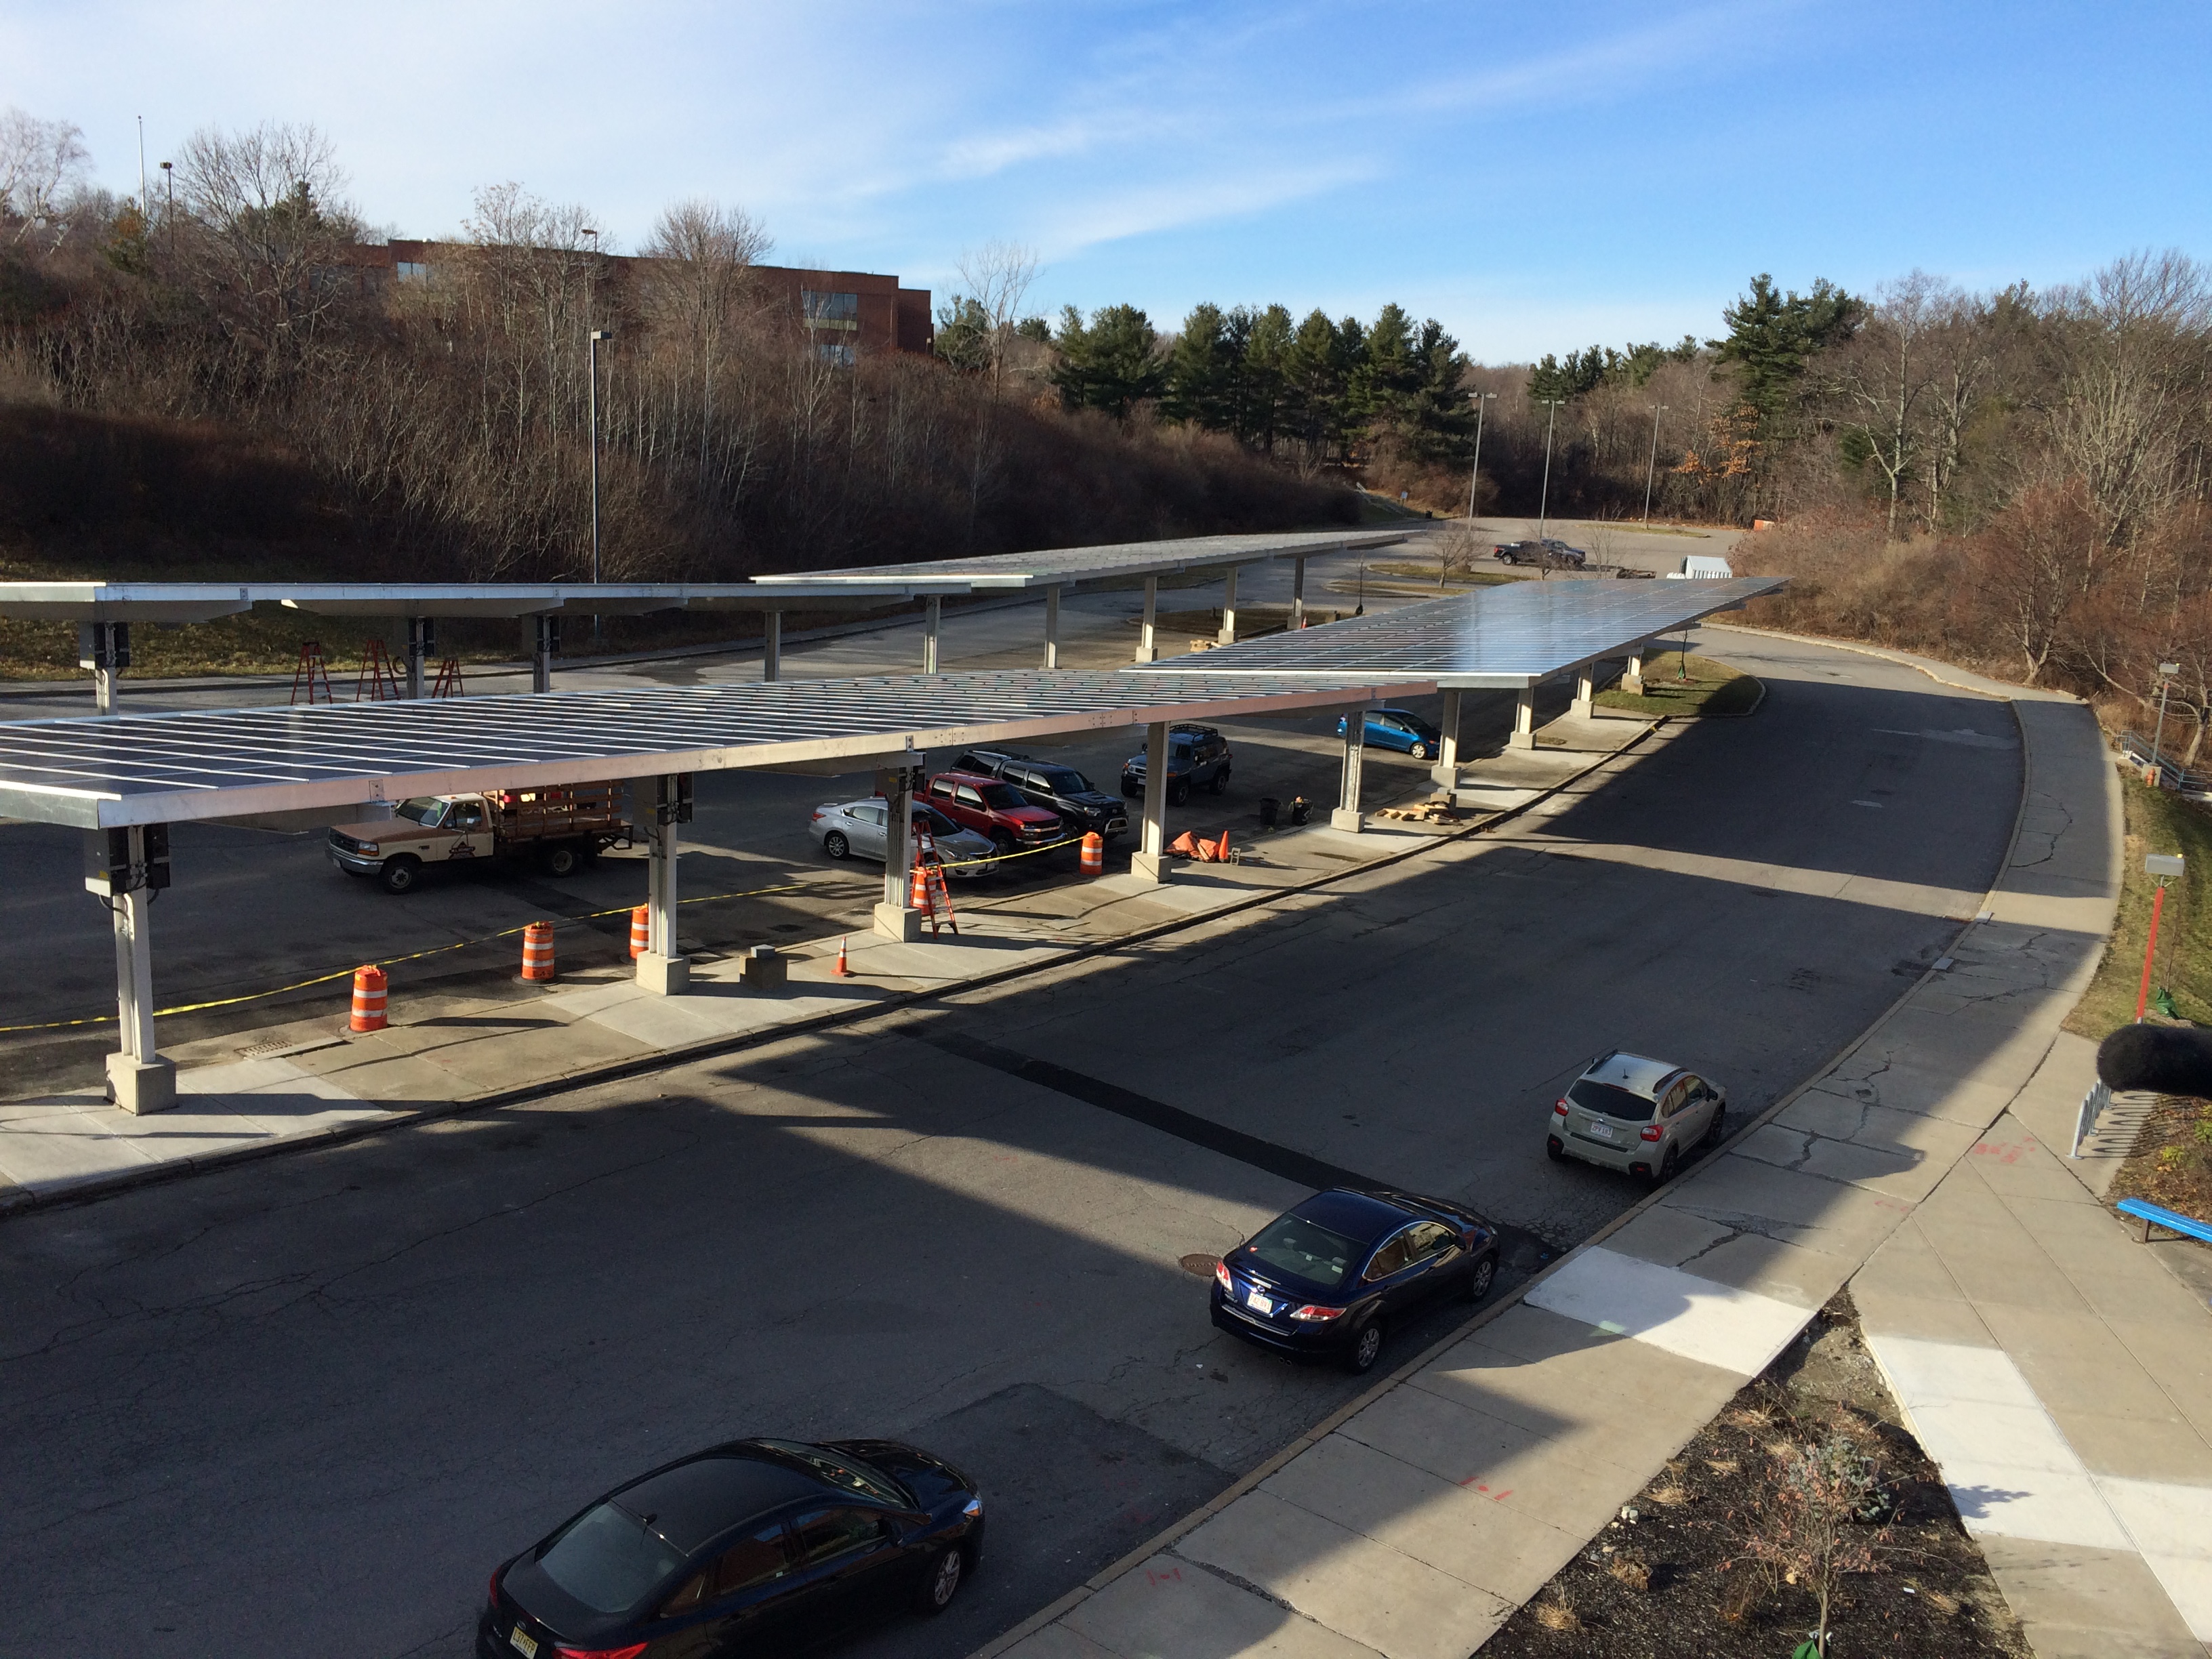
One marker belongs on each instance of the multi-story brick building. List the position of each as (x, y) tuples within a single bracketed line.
[(846, 313)]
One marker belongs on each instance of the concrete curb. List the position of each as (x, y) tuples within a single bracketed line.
[(24, 1201), (1238, 1488), (1927, 666)]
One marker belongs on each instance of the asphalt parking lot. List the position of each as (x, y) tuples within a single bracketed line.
[(371, 1372)]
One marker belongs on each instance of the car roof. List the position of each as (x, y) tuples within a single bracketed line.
[(1402, 713), (1633, 1072), (1363, 1216), (694, 1501)]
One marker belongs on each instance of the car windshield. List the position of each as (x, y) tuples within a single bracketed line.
[(929, 818), (609, 1560), (1061, 779), (423, 809), (1609, 1102), (842, 1469), (1297, 1246), (999, 798)]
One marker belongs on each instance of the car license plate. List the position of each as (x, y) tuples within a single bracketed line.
[(1258, 1303), (523, 1644), (1600, 1131)]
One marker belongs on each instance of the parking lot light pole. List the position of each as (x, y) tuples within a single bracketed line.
[(1475, 472), (1651, 466), (1544, 500), (591, 354)]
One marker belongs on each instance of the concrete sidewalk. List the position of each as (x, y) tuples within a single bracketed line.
[(1413, 1523), (309, 1081)]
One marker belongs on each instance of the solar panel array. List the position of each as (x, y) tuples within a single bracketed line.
[(181, 602), (1505, 637), (148, 768), (1068, 564)]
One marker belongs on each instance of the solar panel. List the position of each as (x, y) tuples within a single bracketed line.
[(152, 769), (189, 602), (1505, 637), (1068, 564)]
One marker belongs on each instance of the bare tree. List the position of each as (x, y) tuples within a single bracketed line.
[(270, 227), (705, 253), (38, 161), (998, 276), (1882, 376)]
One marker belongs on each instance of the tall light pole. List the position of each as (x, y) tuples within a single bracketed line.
[(591, 348), (1475, 472), (1544, 500), (1651, 467)]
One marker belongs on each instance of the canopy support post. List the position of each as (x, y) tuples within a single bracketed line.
[(1446, 770), (1228, 634), (1147, 646), (1150, 861), (1052, 626), (1347, 815), (933, 613), (663, 970), (1297, 594), (771, 646), (125, 868), (896, 916), (1524, 719)]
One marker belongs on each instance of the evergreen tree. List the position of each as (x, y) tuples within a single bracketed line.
[(1110, 364), (1261, 388), (1772, 338), (1202, 372), (1315, 370)]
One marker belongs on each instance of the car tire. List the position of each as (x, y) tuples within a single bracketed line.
[(1002, 844), (1420, 751), (401, 873), (1366, 1348), (1716, 1131), (1220, 781), (563, 859), (1665, 1172), (1131, 791), (1178, 794), (941, 1582), (1481, 1278), (1553, 1150), (837, 846)]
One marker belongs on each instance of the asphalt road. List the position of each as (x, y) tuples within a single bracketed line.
[(304, 1405)]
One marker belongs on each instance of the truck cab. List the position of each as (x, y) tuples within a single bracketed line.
[(564, 828)]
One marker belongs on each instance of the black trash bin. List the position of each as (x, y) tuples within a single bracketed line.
[(1269, 807), (1301, 810)]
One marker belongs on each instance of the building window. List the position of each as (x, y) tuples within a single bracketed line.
[(838, 353), (413, 271), (827, 310)]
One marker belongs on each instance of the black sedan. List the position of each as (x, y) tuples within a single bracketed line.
[(755, 1547), (1326, 1280)]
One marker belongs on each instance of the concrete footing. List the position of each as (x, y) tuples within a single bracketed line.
[(140, 1086), (663, 977), (1343, 817), (896, 921), (1151, 866)]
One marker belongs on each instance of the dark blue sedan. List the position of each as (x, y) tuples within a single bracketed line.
[(755, 1547), (1400, 729), (1326, 1280)]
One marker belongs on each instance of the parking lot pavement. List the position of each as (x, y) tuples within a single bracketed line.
[(373, 1369), (1425, 1516)]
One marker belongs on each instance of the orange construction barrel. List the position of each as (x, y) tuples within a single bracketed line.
[(537, 950), (1094, 854), (917, 897), (368, 1000), (641, 930)]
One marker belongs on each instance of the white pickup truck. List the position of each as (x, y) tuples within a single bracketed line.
[(564, 829)]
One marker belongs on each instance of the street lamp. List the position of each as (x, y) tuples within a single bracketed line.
[(1480, 398), (1651, 467), (592, 349), (1544, 500)]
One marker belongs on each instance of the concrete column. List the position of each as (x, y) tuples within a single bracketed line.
[(138, 1078), (1228, 634), (1297, 594), (1347, 814), (421, 641), (1585, 703), (933, 611), (1632, 677), (1446, 770), (104, 648), (1524, 719), (1052, 626), (1147, 647), (1150, 861), (894, 916), (771, 646), (662, 970), (544, 647)]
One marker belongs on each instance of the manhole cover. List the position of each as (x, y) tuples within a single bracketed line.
[(1200, 1266)]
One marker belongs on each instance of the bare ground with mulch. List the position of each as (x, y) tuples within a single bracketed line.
[(2171, 1162), (1674, 1578)]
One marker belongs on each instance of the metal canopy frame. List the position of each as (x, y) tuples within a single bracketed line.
[(1057, 567), (1505, 638), (121, 770), (192, 602)]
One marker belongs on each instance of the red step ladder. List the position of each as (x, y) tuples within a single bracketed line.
[(312, 673), (376, 681), (449, 678), (928, 891)]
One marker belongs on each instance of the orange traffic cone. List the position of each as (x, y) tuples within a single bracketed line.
[(641, 930), (368, 1000), (1094, 854), (1221, 853), (841, 971)]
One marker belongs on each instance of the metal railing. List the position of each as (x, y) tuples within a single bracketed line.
[(2085, 1122), (2171, 775)]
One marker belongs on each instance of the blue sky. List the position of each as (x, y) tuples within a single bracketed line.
[(1538, 177)]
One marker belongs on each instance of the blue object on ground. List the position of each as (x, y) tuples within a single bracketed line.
[(2155, 1215)]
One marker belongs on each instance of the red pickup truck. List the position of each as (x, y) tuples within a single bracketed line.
[(993, 809)]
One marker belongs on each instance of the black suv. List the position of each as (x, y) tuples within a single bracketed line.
[(1057, 788), (1551, 553), (1196, 755)]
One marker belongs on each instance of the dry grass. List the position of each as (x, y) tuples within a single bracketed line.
[(1629, 1571), (1749, 1419), (1556, 1616), (1723, 1467), (1673, 1495), (1946, 1605)]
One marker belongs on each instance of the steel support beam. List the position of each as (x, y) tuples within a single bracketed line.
[(1150, 861), (1446, 770), (663, 969), (1228, 634), (933, 613), (138, 1078), (771, 646), (1297, 594), (1347, 814), (104, 648), (1052, 626), (545, 645), (421, 641), (1147, 646)]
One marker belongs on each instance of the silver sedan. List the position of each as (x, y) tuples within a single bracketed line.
[(861, 830)]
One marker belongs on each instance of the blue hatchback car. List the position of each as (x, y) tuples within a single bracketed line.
[(1400, 729), (1324, 1280)]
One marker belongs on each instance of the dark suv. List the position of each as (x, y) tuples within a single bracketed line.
[(1196, 755), (1057, 788), (1550, 553), (993, 809)]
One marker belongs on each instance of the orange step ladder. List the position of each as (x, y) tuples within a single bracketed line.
[(449, 678), (929, 891)]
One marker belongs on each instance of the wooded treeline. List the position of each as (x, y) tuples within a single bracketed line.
[(439, 424)]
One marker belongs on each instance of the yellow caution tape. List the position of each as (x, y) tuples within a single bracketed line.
[(412, 955)]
